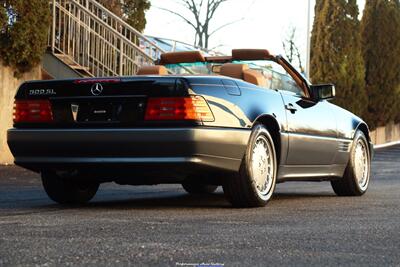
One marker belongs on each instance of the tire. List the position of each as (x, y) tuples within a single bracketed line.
[(198, 189), (67, 190), (356, 177), (254, 184)]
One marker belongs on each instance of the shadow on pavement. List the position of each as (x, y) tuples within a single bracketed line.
[(36, 201)]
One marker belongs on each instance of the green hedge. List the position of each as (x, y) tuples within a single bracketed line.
[(135, 11), (23, 33), (336, 52), (381, 50), (132, 11), (3, 17), (363, 59)]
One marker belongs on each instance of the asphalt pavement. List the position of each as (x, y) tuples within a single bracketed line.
[(305, 224)]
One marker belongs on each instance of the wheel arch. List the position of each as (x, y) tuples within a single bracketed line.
[(274, 129), (363, 127)]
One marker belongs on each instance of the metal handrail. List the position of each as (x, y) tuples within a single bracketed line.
[(96, 42), (122, 22)]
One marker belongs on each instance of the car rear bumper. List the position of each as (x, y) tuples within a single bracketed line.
[(182, 149)]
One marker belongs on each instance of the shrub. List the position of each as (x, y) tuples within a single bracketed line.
[(336, 52), (380, 29), (132, 11), (23, 34)]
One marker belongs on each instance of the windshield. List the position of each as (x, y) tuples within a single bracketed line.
[(275, 75), (208, 68), (197, 68)]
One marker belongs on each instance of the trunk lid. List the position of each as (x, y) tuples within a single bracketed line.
[(106, 102)]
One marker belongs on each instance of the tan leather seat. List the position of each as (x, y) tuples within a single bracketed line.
[(242, 71), (153, 70), (234, 70), (255, 77)]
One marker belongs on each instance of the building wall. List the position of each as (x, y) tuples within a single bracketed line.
[(387, 134), (8, 87)]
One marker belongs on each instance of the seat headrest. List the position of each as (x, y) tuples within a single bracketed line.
[(233, 70), (182, 57), (251, 54), (152, 70)]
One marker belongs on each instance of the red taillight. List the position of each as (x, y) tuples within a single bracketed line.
[(178, 108), (32, 111)]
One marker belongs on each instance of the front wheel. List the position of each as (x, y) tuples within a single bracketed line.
[(255, 182), (67, 190), (356, 177)]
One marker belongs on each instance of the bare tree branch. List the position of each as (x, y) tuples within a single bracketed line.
[(292, 51), (225, 25), (214, 5), (179, 15), (299, 58), (203, 12)]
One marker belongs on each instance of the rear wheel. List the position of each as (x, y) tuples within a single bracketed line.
[(67, 190), (255, 182), (197, 188), (356, 177)]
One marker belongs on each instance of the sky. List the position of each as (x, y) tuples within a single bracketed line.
[(263, 23)]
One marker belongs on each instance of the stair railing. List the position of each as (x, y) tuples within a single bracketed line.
[(96, 42)]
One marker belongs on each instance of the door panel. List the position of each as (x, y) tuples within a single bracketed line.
[(312, 131)]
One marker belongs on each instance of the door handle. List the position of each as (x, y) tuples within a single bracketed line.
[(291, 108)]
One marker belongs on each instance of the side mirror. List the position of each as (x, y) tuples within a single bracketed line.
[(323, 92)]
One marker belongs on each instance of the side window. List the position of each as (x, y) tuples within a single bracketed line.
[(269, 76), (281, 80), (277, 82), (266, 72)]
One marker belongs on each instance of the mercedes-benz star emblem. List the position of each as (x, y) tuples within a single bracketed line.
[(97, 89)]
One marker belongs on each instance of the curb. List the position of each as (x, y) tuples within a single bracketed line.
[(387, 145)]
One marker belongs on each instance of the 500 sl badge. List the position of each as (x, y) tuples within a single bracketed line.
[(42, 92)]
